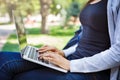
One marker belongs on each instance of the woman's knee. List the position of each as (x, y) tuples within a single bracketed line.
[(12, 63), (6, 57)]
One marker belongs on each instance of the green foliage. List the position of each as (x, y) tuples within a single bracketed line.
[(2, 10), (25, 6), (33, 6), (54, 9), (63, 3), (74, 9), (28, 6)]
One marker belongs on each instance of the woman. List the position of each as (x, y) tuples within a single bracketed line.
[(96, 53)]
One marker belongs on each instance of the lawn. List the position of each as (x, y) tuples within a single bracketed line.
[(57, 37)]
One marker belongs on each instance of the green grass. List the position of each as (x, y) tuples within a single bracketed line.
[(57, 37), (54, 31), (10, 47), (33, 31), (11, 44), (60, 31)]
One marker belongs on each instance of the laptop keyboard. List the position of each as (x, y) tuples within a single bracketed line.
[(30, 53), (33, 54)]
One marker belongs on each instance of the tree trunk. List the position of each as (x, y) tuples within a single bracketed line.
[(44, 11), (10, 7), (43, 28), (10, 15)]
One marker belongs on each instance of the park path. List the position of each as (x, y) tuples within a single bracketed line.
[(5, 31)]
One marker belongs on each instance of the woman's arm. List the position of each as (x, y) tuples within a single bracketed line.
[(102, 61), (69, 50)]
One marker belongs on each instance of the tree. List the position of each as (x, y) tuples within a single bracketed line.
[(9, 5), (45, 7), (30, 6), (24, 6), (55, 7), (74, 10)]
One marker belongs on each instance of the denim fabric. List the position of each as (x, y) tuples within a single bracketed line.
[(49, 74), (11, 64), (13, 67), (74, 40)]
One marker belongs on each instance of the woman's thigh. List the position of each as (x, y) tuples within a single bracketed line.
[(11, 64), (50, 74)]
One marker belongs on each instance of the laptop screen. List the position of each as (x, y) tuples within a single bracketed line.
[(20, 29)]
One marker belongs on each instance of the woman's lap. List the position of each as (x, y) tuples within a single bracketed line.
[(49, 74), (11, 64)]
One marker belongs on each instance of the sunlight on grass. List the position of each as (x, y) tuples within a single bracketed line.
[(14, 41), (58, 37), (57, 41)]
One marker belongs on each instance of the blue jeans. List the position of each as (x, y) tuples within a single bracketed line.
[(13, 67)]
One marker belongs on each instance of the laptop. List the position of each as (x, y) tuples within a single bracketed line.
[(27, 51)]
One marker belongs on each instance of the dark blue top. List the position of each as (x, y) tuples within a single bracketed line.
[(95, 36)]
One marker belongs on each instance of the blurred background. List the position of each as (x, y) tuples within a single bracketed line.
[(47, 22)]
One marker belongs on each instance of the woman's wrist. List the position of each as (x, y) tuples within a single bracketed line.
[(61, 53), (66, 64)]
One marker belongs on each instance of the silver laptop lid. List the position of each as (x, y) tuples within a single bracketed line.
[(20, 30)]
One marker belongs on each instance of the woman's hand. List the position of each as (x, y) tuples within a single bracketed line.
[(56, 59), (47, 48)]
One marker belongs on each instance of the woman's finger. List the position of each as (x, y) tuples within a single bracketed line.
[(46, 48)]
